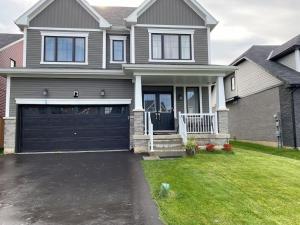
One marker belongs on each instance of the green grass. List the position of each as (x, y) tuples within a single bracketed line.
[(284, 152), (246, 187)]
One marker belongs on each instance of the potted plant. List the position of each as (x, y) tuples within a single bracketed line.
[(190, 147), (227, 147), (210, 147)]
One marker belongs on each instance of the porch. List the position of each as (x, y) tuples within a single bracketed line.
[(173, 103)]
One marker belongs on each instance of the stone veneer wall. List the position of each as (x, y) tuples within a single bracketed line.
[(9, 135)]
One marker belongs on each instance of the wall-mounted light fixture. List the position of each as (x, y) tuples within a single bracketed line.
[(45, 92), (102, 93), (76, 94)]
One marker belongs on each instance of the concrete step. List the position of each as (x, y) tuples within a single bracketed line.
[(170, 153), (167, 137), (168, 145)]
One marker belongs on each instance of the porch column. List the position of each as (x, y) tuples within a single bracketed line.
[(222, 110), (138, 94)]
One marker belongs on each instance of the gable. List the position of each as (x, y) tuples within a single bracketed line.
[(65, 14), (170, 12)]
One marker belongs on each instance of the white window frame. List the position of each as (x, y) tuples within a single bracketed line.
[(118, 38), (65, 34), (232, 83), (171, 31)]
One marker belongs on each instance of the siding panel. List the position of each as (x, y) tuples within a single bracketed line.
[(205, 100), (289, 61), (34, 43), (142, 46), (64, 88), (170, 12), (66, 14)]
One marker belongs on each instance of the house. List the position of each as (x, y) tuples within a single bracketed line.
[(114, 78), (11, 53), (264, 90)]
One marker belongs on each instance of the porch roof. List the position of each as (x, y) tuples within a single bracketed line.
[(178, 74)]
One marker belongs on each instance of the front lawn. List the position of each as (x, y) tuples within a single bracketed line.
[(246, 187)]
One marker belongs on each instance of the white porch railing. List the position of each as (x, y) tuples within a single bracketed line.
[(182, 129), (202, 123), (149, 129)]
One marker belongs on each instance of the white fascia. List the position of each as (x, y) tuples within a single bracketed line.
[(46, 101)]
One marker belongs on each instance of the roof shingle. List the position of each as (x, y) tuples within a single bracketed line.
[(6, 39)]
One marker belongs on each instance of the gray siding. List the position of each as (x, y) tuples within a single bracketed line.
[(228, 92), (289, 60), (286, 116), (34, 43), (64, 88), (205, 100), (170, 12), (297, 114), (108, 53), (251, 118), (66, 14), (142, 46)]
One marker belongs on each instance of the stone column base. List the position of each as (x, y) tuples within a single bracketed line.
[(9, 135), (141, 143), (223, 121)]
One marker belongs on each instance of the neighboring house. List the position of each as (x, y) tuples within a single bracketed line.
[(11, 55), (266, 84), (101, 78)]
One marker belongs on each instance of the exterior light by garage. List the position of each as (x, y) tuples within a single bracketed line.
[(102, 93), (45, 92)]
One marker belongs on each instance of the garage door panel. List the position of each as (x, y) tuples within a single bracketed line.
[(73, 128)]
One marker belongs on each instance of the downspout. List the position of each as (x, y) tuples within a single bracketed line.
[(294, 117)]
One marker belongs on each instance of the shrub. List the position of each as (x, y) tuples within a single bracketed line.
[(210, 147), (227, 147), (190, 147)]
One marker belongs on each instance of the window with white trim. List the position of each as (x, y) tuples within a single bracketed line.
[(64, 48), (118, 49), (171, 47), (232, 83)]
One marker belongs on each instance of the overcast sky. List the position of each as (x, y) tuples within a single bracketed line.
[(242, 23)]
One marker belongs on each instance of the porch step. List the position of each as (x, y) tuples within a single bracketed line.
[(167, 137), (169, 153)]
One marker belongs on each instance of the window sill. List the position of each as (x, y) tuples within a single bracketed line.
[(64, 63), (170, 61), (117, 62)]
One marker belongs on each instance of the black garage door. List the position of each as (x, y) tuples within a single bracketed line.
[(72, 128)]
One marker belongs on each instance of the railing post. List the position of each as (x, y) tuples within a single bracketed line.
[(145, 123), (216, 123)]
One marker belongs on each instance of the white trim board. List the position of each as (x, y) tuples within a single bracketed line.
[(7, 103), (118, 38), (45, 101), (64, 29)]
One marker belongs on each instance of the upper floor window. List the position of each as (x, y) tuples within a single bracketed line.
[(118, 49), (171, 45), (64, 48), (232, 83), (13, 63)]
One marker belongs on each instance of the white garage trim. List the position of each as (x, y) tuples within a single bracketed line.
[(35, 101)]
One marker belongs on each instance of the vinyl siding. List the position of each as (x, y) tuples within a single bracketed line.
[(142, 46), (251, 118), (251, 79), (228, 92), (66, 14), (297, 114), (289, 61), (205, 100), (171, 12), (179, 99), (64, 88), (108, 52), (34, 42)]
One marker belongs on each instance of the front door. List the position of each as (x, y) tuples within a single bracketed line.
[(160, 105)]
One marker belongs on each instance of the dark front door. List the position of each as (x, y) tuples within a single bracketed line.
[(73, 128), (160, 105)]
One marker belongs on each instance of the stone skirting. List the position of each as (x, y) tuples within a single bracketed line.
[(9, 135), (141, 143), (215, 139), (223, 121)]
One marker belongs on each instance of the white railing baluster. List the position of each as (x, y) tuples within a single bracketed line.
[(183, 127), (150, 131), (202, 123)]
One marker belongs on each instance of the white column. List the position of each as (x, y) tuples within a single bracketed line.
[(132, 44), (221, 102), (209, 99), (25, 47), (7, 97), (297, 56), (138, 93), (209, 45), (104, 50)]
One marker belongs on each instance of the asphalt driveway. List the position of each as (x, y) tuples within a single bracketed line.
[(87, 188)]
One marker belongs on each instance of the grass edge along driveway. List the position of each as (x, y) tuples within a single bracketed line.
[(247, 187)]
